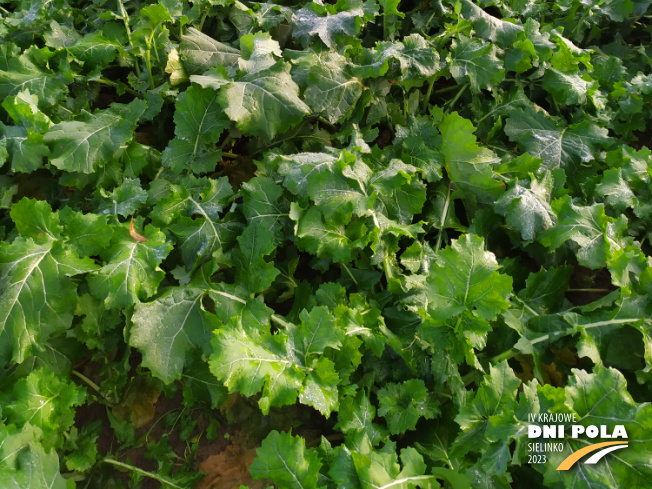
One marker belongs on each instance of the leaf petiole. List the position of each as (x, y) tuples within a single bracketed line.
[(444, 216), (125, 19), (151, 475)]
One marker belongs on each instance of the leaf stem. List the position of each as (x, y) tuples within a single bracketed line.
[(111, 83), (512, 352), (227, 140), (228, 296), (327, 123), (87, 380), (516, 298), (426, 101), (406, 107), (434, 12), (148, 63), (506, 355), (589, 290), (282, 322), (401, 482), (457, 324), (203, 19), (102, 399), (444, 216), (448, 34), (459, 94), (125, 19), (151, 475), (350, 274), (388, 269), (447, 89)]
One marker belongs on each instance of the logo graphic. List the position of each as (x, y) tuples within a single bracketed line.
[(549, 433), (607, 446)]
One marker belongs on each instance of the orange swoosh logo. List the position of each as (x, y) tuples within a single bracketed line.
[(574, 457)]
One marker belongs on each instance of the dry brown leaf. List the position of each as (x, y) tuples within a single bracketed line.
[(527, 365), (138, 406), (565, 356), (229, 469), (551, 375), (134, 234)]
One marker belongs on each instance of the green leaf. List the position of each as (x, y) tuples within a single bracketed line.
[(46, 401), (484, 410), (21, 73), (318, 331), (89, 143), (199, 121), (544, 290), (195, 215), (253, 272), (96, 329), (95, 50), (260, 199), (200, 53), (596, 235), (7, 192), (285, 460), (308, 23), (403, 404), (137, 157), (190, 196), (556, 144), (417, 59), (167, 329), (356, 415), (565, 89), (468, 165), (476, 61), (84, 449), (596, 397), (300, 169), (200, 385), (290, 363), (60, 36), (264, 103), (400, 195), (177, 73), (23, 109), (125, 200), (339, 242), (341, 188), (528, 209), (488, 27), (247, 361), (331, 90), (35, 219), (380, 469), (465, 278), (130, 273), (616, 192), (420, 141), (390, 8), (34, 468), (24, 149), (37, 296), (258, 52), (87, 234), (320, 387), (616, 10)]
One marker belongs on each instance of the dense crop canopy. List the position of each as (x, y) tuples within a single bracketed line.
[(376, 237)]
